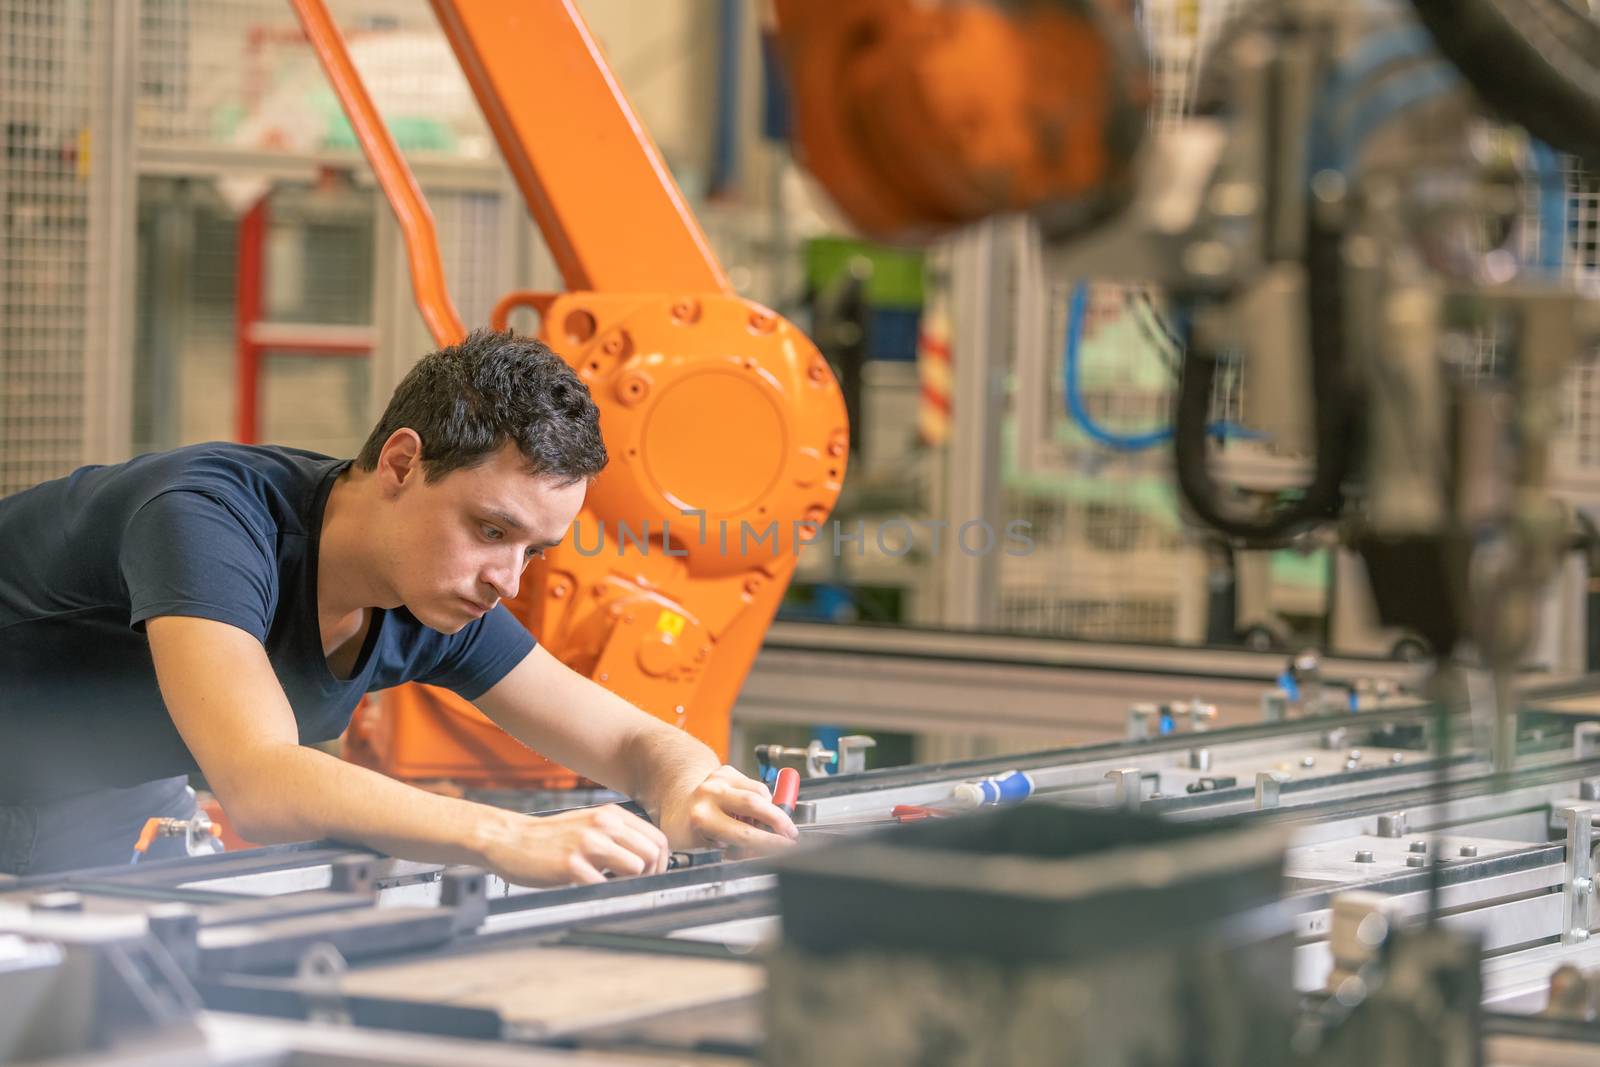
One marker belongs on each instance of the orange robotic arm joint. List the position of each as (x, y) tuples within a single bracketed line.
[(922, 117)]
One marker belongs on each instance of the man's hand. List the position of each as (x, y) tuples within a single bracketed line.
[(574, 846), (579, 724), (719, 811)]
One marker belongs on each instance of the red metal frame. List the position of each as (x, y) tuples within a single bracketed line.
[(246, 311), (255, 338)]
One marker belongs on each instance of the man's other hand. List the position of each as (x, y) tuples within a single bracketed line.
[(728, 811), (575, 846)]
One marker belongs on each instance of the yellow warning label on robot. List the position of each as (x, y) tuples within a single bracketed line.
[(671, 623)]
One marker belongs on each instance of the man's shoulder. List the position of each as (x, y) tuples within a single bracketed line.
[(226, 461), (273, 481)]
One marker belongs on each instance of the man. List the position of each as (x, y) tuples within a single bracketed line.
[(219, 606)]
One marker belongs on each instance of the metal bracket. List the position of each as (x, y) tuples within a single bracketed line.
[(1127, 781), (466, 889), (353, 874), (1140, 716), (853, 753), (1200, 714), (1577, 887), (319, 970), (177, 927), (1274, 705), (1586, 740), (1269, 786)]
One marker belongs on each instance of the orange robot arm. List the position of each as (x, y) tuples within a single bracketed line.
[(726, 427)]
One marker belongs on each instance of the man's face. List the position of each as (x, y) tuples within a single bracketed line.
[(459, 545)]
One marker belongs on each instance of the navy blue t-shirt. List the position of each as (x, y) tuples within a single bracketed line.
[(215, 531)]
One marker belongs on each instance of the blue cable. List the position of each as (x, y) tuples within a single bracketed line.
[(1123, 442), (1552, 206)]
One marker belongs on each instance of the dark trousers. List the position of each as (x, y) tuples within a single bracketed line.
[(90, 829)]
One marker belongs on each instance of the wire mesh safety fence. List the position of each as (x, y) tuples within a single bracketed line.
[(49, 83), (240, 74)]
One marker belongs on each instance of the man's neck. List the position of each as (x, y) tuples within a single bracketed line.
[(345, 581)]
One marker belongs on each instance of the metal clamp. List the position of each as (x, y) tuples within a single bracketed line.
[(818, 761)]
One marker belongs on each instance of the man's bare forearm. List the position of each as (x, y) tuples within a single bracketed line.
[(663, 760), (305, 794), (580, 724)]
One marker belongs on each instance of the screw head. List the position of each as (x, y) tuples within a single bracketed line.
[(1308, 761), (1416, 861), (1419, 846), (1364, 855), (1469, 851)]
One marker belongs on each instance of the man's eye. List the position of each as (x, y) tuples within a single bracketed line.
[(491, 533), (536, 553)]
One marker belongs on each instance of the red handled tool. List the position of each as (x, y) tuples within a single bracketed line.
[(786, 790)]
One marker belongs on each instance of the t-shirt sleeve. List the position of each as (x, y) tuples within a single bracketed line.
[(186, 553), (480, 654)]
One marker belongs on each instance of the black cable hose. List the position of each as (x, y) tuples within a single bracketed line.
[(1333, 427), (1537, 62)]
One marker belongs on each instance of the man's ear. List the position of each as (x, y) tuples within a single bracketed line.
[(400, 459)]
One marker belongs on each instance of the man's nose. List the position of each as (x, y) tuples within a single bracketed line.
[(504, 579)]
